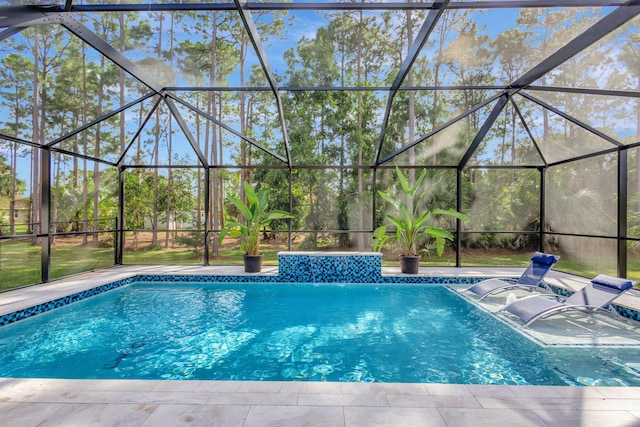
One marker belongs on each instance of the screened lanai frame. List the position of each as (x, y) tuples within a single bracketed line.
[(526, 88)]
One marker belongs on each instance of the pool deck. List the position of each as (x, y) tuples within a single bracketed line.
[(62, 402)]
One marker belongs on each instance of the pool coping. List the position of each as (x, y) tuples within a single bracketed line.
[(34, 402)]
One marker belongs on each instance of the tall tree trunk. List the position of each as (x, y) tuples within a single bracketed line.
[(85, 196), (137, 173), (37, 137), (12, 196), (445, 27), (199, 174), (169, 151), (156, 150), (503, 143), (220, 161), (545, 113), (121, 79), (214, 187), (96, 165), (638, 140), (243, 121), (343, 224), (41, 134), (412, 105), (55, 169), (170, 217), (360, 191), (514, 118), (122, 83), (209, 127)]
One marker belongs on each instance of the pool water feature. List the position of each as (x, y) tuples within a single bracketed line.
[(301, 332)]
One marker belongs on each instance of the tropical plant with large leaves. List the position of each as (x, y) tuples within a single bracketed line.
[(255, 216), (411, 221)]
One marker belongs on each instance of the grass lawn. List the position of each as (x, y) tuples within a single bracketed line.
[(20, 260)]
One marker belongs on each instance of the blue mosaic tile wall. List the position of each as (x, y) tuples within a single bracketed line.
[(60, 302), (432, 280), (627, 312), (314, 268), (205, 278), (420, 280), (558, 291)]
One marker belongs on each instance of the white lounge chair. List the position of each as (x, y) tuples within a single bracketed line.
[(597, 295), (541, 264)]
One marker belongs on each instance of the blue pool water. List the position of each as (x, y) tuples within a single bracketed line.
[(388, 333)]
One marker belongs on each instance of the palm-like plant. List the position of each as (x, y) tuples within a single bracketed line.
[(255, 215), (410, 222)]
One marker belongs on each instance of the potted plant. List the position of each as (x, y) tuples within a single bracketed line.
[(411, 223), (256, 216)]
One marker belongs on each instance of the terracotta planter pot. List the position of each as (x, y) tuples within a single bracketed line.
[(253, 263), (409, 264)]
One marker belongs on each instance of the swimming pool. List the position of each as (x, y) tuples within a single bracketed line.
[(302, 332)]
